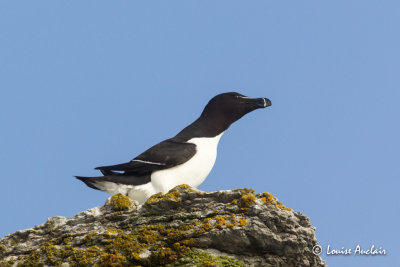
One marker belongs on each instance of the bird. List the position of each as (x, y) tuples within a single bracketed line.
[(186, 158)]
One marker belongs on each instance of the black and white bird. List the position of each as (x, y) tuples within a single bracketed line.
[(186, 158)]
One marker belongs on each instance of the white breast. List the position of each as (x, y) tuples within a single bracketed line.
[(194, 171)]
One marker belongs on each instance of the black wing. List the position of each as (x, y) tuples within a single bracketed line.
[(164, 155)]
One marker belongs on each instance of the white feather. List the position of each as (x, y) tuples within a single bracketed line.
[(193, 172)]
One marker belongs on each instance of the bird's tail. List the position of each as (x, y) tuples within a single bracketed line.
[(113, 184), (92, 182)]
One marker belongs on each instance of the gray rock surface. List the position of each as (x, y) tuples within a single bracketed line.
[(185, 227)]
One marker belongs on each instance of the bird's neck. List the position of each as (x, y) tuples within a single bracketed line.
[(204, 127)]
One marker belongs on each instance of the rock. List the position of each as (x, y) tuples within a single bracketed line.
[(184, 227)]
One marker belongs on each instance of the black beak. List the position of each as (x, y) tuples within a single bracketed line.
[(257, 102)]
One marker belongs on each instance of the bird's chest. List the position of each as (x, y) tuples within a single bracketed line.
[(194, 171)]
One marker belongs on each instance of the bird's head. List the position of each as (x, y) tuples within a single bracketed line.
[(229, 107)]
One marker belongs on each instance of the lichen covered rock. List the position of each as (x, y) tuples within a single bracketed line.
[(184, 227)]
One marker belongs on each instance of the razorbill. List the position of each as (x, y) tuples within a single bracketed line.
[(186, 158)]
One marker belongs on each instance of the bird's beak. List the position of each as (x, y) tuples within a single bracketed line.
[(264, 102), (261, 102)]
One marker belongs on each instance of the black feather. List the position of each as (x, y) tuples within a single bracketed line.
[(118, 179)]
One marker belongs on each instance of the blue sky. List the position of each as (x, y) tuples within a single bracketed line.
[(94, 83)]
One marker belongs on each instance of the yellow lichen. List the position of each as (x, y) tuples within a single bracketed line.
[(65, 251), (120, 202), (174, 234), (154, 198), (206, 226), (221, 221), (187, 227), (67, 240), (124, 244), (171, 196), (32, 260), (112, 232), (208, 264), (165, 244), (269, 199), (247, 200), (147, 235), (226, 221), (111, 260), (145, 245), (89, 238), (242, 221), (51, 252), (164, 256), (83, 257), (174, 196), (182, 186), (234, 221), (245, 191)]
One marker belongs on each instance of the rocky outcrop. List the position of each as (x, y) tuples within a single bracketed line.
[(185, 227)]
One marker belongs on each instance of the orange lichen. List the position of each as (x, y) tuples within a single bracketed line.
[(242, 221), (137, 244), (269, 199), (221, 220), (246, 201)]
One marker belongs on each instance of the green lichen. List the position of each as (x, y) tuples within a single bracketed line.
[(165, 244), (198, 258), (49, 225), (6, 264), (150, 245), (32, 260), (2, 250), (119, 202), (11, 261), (15, 241)]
